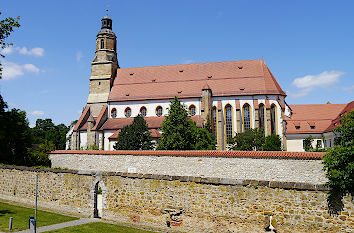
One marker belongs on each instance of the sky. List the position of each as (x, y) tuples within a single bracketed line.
[(307, 45)]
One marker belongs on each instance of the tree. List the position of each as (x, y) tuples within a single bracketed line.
[(338, 164), (39, 156), (47, 130), (180, 132), (307, 144), (6, 27), (251, 139), (272, 143), (15, 136), (135, 136)]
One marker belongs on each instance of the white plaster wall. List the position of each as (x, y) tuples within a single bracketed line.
[(151, 106), (83, 139), (294, 145), (107, 134)]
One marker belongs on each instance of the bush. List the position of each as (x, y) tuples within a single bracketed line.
[(272, 143)]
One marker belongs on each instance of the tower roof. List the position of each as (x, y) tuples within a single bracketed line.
[(106, 27)]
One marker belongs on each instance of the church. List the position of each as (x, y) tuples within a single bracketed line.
[(233, 95)]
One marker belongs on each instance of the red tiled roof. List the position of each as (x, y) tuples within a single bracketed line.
[(187, 80), (152, 122), (318, 115), (205, 153), (336, 122), (115, 135), (101, 117), (83, 118)]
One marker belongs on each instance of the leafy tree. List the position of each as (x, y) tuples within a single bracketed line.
[(272, 143), (179, 132), (6, 27), (204, 139), (251, 139), (307, 144), (177, 129), (135, 136), (339, 164), (47, 130), (15, 136), (39, 156)]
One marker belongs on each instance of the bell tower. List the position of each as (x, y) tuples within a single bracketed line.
[(103, 67)]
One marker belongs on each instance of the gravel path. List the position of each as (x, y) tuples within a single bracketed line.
[(62, 225)]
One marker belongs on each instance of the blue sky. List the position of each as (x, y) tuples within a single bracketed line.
[(308, 46)]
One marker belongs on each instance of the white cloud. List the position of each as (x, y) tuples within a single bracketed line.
[(37, 113), (31, 68), (307, 83), (12, 70), (7, 50), (78, 56), (39, 52)]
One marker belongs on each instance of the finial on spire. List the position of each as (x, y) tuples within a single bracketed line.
[(107, 8)]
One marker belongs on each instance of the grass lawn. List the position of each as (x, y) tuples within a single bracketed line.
[(21, 215), (99, 227)]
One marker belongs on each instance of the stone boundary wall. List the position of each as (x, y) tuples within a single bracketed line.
[(180, 203), (237, 165)]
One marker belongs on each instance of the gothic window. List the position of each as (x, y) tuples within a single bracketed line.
[(246, 117), (214, 122), (159, 111), (143, 111), (192, 110), (128, 112), (261, 116), (114, 113), (273, 119), (102, 44), (228, 121)]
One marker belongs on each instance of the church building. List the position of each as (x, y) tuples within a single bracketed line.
[(233, 95)]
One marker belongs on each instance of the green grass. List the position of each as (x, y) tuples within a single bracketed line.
[(21, 215), (99, 227)]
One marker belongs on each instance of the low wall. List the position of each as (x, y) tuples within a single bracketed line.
[(272, 166), (181, 203)]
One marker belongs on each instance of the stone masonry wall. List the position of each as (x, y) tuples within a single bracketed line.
[(309, 171), (181, 203)]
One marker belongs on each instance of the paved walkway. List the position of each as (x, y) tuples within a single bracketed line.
[(62, 225)]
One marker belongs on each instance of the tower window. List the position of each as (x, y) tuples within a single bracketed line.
[(102, 44), (246, 117), (192, 110), (128, 112), (228, 121), (159, 111), (143, 111), (114, 113)]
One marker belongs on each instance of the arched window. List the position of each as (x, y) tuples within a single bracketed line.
[(261, 116), (127, 112), (114, 113), (273, 119), (214, 126), (143, 111), (192, 110), (102, 44), (158, 111), (228, 121), (246, 117)]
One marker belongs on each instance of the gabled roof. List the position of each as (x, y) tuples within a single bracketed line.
[(251, 77), (318, 116), (154, 134), (336, 122), (83, 118)]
